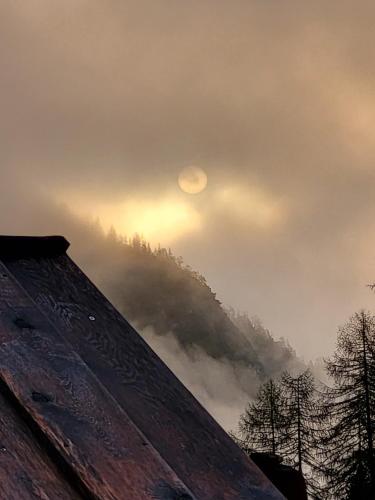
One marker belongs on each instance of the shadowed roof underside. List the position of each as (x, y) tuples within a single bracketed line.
[(87, 409)]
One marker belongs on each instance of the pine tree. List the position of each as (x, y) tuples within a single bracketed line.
[(347, 446), (300, 426), (262, 425)]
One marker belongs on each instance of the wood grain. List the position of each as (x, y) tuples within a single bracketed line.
[(26, 471), (86, 426), (186, 436)]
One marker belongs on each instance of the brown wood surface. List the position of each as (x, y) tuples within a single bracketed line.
[(85, 425), (190, 441), (26, 471)]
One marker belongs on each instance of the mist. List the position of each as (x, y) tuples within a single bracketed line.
[(103, 105), (215, 383)]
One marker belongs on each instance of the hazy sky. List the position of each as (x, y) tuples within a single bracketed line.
[(104, 103)]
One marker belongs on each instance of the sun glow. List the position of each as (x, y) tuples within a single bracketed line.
[(162, 221), (158, 221), (169, 217), (192, 180)]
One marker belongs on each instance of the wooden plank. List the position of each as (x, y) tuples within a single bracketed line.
[(86, 426), (26, 471), (187, 437)]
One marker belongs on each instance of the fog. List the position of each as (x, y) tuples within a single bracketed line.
[(213, 382), (103, 104)]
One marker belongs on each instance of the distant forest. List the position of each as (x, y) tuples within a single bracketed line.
[(154, 288)]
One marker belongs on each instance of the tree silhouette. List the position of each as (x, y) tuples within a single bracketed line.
[(262, 426), (300, 426), (348, 412)]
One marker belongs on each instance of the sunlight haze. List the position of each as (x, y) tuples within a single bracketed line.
[(240, 134)]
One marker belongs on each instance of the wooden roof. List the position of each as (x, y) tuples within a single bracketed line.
[(87, 409)]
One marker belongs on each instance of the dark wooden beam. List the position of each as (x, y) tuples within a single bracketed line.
[(15, 247), (92, 434)]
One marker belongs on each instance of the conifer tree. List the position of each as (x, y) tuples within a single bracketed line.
[(262, 425), (300, 405), (347, 446), (301, 428)]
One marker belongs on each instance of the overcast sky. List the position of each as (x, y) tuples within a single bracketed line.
[(103, 104)]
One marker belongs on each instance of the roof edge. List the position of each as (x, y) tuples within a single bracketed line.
[(16, 247)]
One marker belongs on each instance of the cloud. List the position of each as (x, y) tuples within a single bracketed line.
[(275, 102), (214, 382)]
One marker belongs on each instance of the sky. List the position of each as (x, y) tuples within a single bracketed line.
[(103, 104)]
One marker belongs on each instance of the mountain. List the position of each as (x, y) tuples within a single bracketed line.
[(154, 288)]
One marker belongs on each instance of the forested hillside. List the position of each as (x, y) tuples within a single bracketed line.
[(154, 288)]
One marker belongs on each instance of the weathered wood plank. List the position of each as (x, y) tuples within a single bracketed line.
[(26, 471), (197, 448), (80, 418)]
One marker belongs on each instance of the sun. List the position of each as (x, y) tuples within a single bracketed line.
[(192, 180)]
